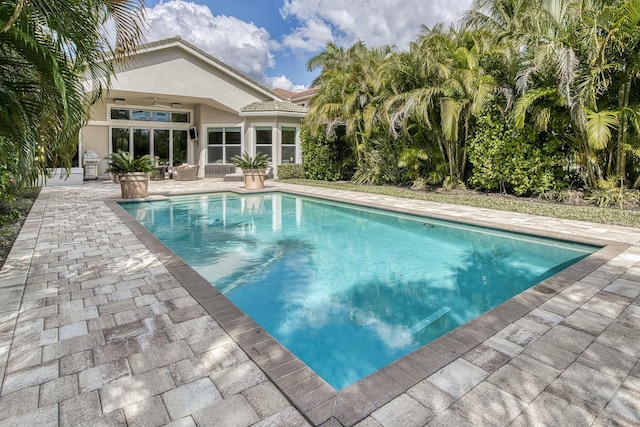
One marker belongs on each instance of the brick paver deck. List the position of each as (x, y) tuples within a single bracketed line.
[(102, 325)]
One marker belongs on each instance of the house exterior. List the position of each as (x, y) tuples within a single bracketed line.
[(299, 98), (175, 102)]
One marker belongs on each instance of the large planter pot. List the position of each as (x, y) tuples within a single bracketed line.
[(134, 185), (253, 179)]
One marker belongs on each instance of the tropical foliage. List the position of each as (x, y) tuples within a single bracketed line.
[(524, 96), (122, 162), (326, 157), (291, 171), (47, 49), (259, 162)]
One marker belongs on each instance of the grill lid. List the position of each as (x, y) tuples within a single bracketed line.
[(90, 158)]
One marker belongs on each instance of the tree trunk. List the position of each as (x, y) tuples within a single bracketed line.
[(623, 135)]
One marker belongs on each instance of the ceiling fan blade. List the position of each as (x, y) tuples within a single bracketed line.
[(155, 104)]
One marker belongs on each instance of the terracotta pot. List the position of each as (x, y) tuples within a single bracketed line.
[(134, 185), (253, 179)]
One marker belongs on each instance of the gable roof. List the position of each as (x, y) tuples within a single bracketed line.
[(232, 71), (174, 69)]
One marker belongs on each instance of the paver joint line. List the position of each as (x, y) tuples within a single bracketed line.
[(108, 326)]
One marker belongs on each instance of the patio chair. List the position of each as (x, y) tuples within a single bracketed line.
[(186, 173), (268, 173)]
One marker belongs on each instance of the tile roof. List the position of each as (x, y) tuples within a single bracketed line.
[(273, 107), (295, 95), (284, 93)]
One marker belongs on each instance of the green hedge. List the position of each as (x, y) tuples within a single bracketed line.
[(291, 171)]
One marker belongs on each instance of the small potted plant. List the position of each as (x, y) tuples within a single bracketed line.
[(253, 169), (132, 173)]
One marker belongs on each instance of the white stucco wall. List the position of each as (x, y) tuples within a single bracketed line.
[(176, 72)]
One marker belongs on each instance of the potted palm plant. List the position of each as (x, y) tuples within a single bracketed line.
[(253, 169), (133, 173)]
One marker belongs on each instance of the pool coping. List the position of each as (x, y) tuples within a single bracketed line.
[(310, 394)]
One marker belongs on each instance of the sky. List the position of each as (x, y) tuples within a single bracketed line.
[(272, 40)]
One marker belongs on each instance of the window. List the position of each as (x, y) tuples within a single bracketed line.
[(149, 115), (288, 148), (141, 115), (117, 114), (223, 143), (264, 140), (180, 117), (161, 116)]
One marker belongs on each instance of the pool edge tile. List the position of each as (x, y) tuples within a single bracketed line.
[(320, 405)]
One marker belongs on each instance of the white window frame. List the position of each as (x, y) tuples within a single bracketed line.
[(298, 154), (151, 125), (256, 146), (225, 161)]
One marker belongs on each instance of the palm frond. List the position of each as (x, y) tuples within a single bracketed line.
[(450, 110), (598, 127), (527, 100)]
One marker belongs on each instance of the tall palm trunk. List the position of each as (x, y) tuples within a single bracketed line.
[(623, 132)]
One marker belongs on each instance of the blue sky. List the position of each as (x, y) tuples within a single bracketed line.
[(272, 40)]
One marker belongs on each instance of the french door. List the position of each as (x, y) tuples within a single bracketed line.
[(168, 146)]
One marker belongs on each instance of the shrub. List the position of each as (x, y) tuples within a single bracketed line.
[(610, 194), (324, 157), (567, 196), (291, 171), (508, 160), (8, 186)]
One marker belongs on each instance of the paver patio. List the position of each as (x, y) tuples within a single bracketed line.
[(100, 325)]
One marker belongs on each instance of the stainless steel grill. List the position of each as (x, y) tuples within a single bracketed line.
[(91, 162)]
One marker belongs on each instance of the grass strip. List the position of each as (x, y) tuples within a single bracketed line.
[(493, 201)]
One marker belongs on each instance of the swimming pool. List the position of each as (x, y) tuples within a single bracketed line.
[(349, 289)]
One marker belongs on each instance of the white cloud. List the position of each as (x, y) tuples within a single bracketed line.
[(310, 37), (283, 82), (249, 48), (243, 45), (376, 22)]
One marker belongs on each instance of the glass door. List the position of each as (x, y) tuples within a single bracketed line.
[(169, 145), (180, 141), (119, 139), (141, 142), (161, 145)]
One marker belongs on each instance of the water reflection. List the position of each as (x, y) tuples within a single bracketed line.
[(348, 290)]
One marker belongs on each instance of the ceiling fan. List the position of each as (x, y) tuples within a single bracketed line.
[(155, 104)]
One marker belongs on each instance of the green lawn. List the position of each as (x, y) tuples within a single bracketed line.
[(493, 201)]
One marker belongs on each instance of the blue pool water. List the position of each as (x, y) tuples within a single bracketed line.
[(348, 289)]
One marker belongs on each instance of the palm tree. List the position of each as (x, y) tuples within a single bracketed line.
[(46, 49), (582, 58), (347, 96), (452, 88)]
